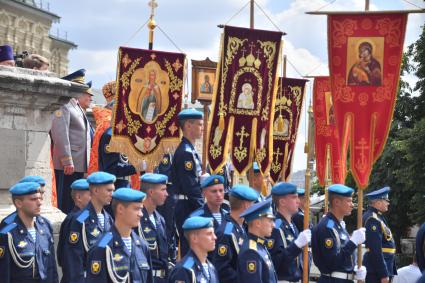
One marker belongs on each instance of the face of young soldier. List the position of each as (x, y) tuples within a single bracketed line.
[(131, 213), (159, 194), (214, 194), (30, 205), (205, 238)]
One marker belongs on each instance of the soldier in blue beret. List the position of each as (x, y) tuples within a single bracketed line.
[(27, 252), (186, 170), (379, 258), (231, 236), (121, 255), (254, 261), (333, 248), (286, 243), (420, 248), (195, 267), (87, 226), (152, 226), (257, 180), (225, 172), (6, 56)]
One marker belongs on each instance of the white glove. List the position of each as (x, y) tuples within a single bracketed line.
[(303, 238), (359, 236), (342, 224), (360, 273)]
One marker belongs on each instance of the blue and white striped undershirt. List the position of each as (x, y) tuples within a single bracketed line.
[(33, 233), (217, 217), (152, 219), (127, 242), (101, 220), (205, 267)]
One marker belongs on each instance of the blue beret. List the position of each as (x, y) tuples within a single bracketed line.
[(80, 185), (283, 189), (77, 76), (191, 113), (33, 178), (154, 178), (211, 181), (24, 188), (197, 222), (101, 178), (255, 167), (257, 210), (128, 195), (243, 192), (6, 53), (342, 190), (379, 194)]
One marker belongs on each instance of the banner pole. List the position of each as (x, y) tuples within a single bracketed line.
[(152, 24), (328, 179), (251, 14), (204, 139)]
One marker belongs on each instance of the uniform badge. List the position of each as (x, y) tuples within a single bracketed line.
[(22, 244), (251, 266), (290, 238), (118, 257), (373, 228), (222, 250), (329, 243), (147, 230), (1, 251), (58, 113), (270, 244), (165, 161), (216, 181), (188, 165), (73, 237), (95, 232), (95, 266), (221, 171)]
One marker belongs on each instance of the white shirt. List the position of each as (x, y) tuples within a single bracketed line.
[(407, 274)]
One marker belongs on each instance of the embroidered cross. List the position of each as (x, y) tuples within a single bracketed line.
[(242, 134)]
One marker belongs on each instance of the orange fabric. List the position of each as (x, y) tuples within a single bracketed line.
[(102, 117), (54, 195), (135, 181)]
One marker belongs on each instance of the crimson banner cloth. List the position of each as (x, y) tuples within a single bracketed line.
[(327, 140), (243, 99), (364, 59), (290, 97), (149, 97)]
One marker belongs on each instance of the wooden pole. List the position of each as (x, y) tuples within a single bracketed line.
[(328, 178), (251, 14), (284, 66), (204, 139), (366, 6)]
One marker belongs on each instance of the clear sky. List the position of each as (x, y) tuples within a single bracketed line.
[(99, 27)]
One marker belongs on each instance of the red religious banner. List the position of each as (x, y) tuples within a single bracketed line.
[(364, 59), (290, 97), (327, 141), (241, 119), (149, 97)]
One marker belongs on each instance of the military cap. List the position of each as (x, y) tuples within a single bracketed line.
[(89, 91), (128, 195), (34, 178), (257, 210), (283, 189), (80, 185), (191, 113), (379, 194), (154, 178), (211, 181), (197, 222), (255, 167), (6, 53), (300, 192), (101, 178), (243, 192), (341, 190), (24, 188), (76, 77)]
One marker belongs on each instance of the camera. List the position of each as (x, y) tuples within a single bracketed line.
[(19, 58)]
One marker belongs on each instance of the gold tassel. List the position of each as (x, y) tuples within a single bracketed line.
[(221, 123)]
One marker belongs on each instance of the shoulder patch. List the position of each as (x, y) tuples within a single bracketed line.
[(8, 228), (188, 165), (229, 228), (222, 250), (9, 219), (277, 222), (2, 251), (189, 262), (95, 266), (165, 160), (270, 243), (252, 245), (74, 237), (330, 224), (329, 243), (83, 216), (105, 240), (251, 266)]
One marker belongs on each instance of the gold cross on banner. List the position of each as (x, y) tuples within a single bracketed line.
[(277, 154), (242, 134)]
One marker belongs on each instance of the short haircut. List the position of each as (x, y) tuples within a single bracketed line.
[(144, 187), (276, 199), (35, 61), (115, 204), (14, 198), (183, 122), (236, 203), (333, 197), (74, 193)]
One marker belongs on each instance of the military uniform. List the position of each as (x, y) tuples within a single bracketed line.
[(204, 211), (110, 261), (420, 248), (113, 162)]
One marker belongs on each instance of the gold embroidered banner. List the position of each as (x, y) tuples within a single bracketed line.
[(149, 97), (290, 96), (364, 59), (241, 119)]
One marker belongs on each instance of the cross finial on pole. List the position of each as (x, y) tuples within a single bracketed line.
[(152, 24)]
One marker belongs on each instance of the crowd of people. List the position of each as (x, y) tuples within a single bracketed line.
[(180, 224)]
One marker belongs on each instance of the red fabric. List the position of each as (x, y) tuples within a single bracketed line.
[(326, 134), (289, 101), (54, 200), (243, 100), (103, 122), (364, 90)]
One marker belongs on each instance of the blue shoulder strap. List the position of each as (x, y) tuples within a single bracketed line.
[(189, 262), (83, 216), (8, 228), (105, 240), (229, 228), (9, 219), (330, 224), (198, 212), (277, 223)]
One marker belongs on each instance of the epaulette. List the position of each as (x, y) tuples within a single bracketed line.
[(252, 245), (198, 212), (83, 216), (188, 148), (330, 224), (9, 219), (8, 228), (228, 229), (105, 240), (189, 262), (277, 223)]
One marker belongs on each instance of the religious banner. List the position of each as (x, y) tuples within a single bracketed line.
[(290, 97), (327, 141), (241, 120), (149, 97), (365, 52)]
